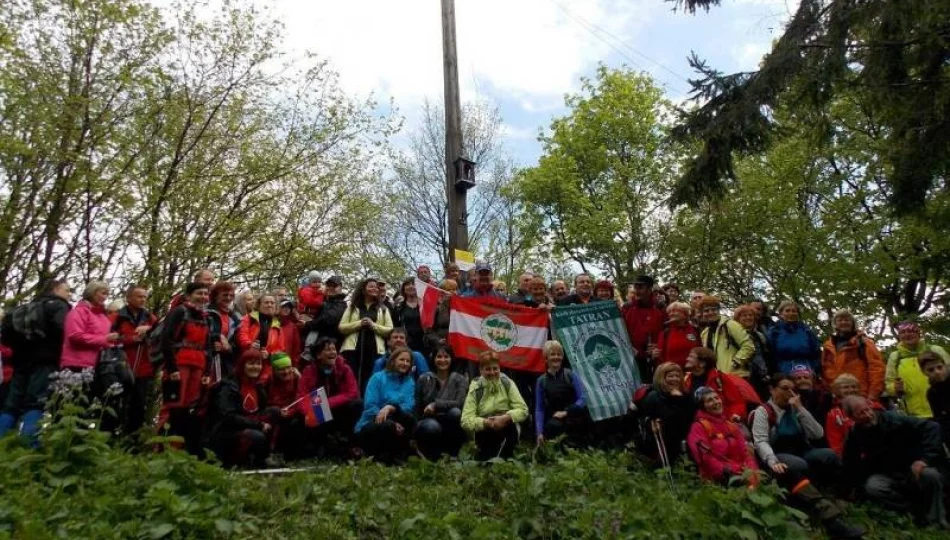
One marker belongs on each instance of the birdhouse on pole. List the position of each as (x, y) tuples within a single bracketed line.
[(464, 174)]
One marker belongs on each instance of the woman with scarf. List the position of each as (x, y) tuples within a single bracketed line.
[(440, 395), (260, 331), (903, 377), (365, 325), (387, 422), (560, 402), (241, 424)]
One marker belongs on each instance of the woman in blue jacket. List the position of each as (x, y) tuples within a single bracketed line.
[(793, 343), (387, 422)]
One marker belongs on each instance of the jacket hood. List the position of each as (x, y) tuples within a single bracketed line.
[(703, 415)]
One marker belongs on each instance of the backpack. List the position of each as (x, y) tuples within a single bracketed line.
[(155, 338), (480, 390), (640, 394), (770, 415), (711, 433), (28, 321)]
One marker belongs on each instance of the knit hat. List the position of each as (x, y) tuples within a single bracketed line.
[(908, 326), (280, 360), (700, 394), (801, 369)]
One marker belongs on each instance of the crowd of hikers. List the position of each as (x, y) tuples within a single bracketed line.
[(263, 378)]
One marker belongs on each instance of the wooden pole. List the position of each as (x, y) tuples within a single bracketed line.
[(457, 201)]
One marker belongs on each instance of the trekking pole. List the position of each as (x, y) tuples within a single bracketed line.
[(138, 356), (661, 449)]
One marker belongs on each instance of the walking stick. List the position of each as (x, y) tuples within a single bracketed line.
[(138, 356), (661, 449)]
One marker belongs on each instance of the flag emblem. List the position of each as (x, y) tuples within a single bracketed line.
[(499, 332), (602, 352)]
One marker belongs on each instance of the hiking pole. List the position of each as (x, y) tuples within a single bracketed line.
[(661, 449), (138, 356)]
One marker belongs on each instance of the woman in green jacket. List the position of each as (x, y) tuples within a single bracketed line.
[(903, 378), (493, 409)]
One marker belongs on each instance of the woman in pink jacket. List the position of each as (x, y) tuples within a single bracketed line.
[(717, 444), (87, 329)]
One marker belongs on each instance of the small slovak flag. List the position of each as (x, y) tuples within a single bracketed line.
[(428, 302), (317, 408)]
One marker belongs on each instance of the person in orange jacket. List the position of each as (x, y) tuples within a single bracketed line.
[(848, 350), (261, 330)]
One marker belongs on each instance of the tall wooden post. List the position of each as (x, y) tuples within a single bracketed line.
[(456, 197)]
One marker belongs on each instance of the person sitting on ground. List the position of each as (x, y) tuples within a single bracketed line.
[(731, 343), (560, 401), (330, 371), (837, 423), (791, 342), (785, 435), (398, 339), (721, 453), (938, 395), (701, 371), (440, 396), (386, 424), (493, 410), (678, 338), (895, 459), (241, 424), (716, 443), (848, 350), (671, 408), (903, 378), (815, 398)]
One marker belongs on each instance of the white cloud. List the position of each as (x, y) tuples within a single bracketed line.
[(531, 50), (510, 131)]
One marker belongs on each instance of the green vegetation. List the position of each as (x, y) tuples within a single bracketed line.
[(79, 486)]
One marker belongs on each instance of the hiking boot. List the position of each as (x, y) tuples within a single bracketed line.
[(839, 528), (274, 461)]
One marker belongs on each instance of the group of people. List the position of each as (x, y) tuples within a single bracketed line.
[(743, 395)]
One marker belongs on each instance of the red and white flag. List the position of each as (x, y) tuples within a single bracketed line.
[(428, 302), (516, 333)]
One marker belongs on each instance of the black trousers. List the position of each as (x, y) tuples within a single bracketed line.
[(384, 441), (491, 443), (440, 434)]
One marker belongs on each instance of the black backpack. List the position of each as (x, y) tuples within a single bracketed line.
[(28, 321)]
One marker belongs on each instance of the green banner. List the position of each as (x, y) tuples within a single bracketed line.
[(595, 341)]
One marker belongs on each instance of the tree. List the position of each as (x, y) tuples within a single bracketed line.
[(145, 144), (415, 198), (890, 56), (600, 187)]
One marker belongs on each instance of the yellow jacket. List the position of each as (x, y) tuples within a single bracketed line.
[(732, 345), (489, 398), (902, 364), (350, 327)]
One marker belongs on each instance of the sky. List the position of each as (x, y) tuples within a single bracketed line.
[(522, 55)]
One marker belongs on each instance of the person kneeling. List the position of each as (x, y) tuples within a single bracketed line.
[(387, 421), (493, 409), (440, 396), (894, 458), (242, 425), (560, 403)]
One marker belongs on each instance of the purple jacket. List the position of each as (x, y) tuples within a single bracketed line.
[(84, 336)]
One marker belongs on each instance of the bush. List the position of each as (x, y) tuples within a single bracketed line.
[(79, 486)]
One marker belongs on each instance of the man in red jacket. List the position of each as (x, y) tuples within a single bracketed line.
[(310, 297), (133, 323), (644, 321), (330, 371)]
